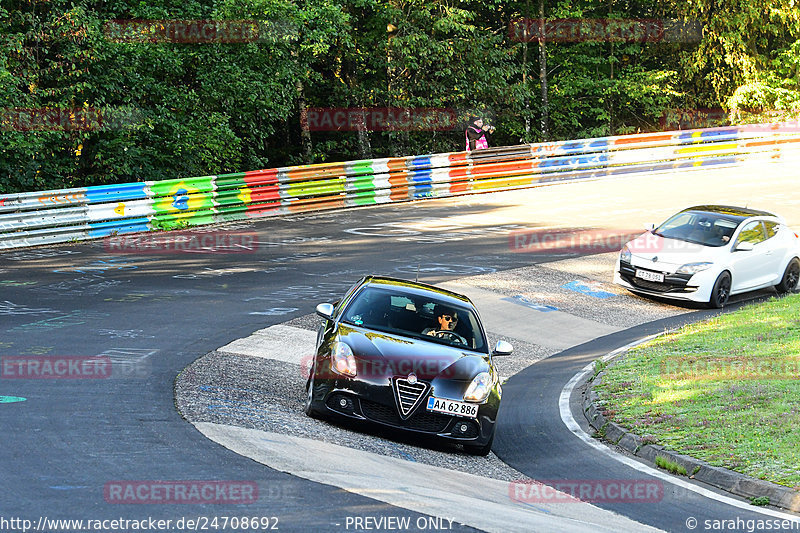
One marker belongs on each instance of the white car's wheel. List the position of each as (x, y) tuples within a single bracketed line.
[(790, 277), (721, 291)]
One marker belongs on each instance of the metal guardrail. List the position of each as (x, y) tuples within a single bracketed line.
[(47, 217)]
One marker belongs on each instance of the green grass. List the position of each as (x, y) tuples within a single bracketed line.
[(670, 466), (726, 391)]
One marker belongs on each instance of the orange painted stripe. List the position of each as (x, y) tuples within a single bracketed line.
[(641, 139), (397, 163)]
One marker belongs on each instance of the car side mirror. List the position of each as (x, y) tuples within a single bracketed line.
[(503, 348), (650, 227), (744, 246), (325, 311)]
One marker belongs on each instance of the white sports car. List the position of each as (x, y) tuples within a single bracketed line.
[(710, 252)]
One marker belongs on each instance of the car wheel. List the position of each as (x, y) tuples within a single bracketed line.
[(721, 291), (480, 450), (308, 406), (790, 277)]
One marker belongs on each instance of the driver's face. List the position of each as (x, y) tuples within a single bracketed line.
[(447, 322)]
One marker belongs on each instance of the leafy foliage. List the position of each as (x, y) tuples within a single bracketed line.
[(168, 109)]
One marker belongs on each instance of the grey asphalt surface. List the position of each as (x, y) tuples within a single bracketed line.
[(152, 315)]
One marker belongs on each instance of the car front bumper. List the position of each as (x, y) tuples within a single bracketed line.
[(375, 403), (688, 287)]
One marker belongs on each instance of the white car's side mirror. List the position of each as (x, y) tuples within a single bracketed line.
[(650, 227), (744, 246)]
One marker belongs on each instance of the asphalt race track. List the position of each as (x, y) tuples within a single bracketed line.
[(72, 441)]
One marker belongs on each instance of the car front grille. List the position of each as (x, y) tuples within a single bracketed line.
[(422, 420), (672, 282), (651, 285), (408, 395)]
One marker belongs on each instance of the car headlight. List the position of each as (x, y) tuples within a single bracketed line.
[(342, 360), (625, 254), (693, 268), (480, 388)]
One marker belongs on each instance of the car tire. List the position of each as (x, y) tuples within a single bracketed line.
[(721, 291), (790, 277), (480, 450)]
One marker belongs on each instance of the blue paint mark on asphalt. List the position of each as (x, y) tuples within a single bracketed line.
[(11, 399), (69, 487), (404, 454), (521, 300), (590, 289)]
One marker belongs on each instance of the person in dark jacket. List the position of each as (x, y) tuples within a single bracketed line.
[(475, 135)]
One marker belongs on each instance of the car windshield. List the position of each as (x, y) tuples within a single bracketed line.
[(420, 317), (699, 227)]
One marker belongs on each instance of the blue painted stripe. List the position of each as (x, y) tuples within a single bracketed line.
[(420, 176), (599, 143), (115, 193), (418, 162), (11, 399), (718, 161), (692, 135), (420, 191), (132, 225), (521, 300)]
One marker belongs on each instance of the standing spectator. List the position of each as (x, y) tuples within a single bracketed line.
[(476, 134)]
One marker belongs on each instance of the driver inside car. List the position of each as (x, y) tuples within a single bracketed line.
[(446, 322)]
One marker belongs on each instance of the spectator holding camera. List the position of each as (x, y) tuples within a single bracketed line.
[(476, 134)]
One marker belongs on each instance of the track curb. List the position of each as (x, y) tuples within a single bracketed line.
[(733, 482)]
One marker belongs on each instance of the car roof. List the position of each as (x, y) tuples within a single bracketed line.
[(418, 289), (730, 211)]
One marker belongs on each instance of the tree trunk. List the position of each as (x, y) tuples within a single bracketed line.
[(526, 101), (543, 73), (364, 146), (305, 133)]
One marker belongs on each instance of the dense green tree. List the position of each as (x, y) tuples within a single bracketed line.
[(147, 108)]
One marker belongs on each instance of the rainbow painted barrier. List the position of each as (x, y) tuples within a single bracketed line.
[(47, 217)]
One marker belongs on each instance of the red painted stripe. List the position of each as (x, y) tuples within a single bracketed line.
[(261, 177)]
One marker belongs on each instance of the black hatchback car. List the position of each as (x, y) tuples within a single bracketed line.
[(410, 356)]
